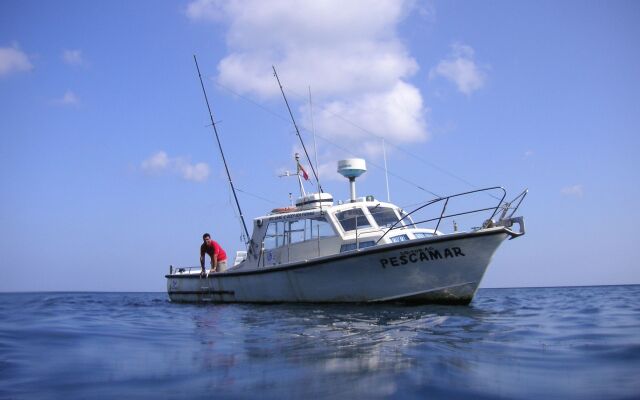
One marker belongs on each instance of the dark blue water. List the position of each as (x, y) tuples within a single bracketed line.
[(564, 343)]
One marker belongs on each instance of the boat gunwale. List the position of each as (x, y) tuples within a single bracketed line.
[(350, 254)]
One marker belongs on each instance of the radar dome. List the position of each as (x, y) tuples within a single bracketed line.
[(352, 168)]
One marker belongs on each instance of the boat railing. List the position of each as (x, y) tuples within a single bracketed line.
[(508, 209), (512, 205)]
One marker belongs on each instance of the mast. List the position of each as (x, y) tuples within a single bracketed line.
[(297, 131), (215, 130), (302, 192)]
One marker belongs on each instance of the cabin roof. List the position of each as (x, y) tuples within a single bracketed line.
[(300, 213)]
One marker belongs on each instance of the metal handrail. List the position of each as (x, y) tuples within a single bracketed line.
[(521, 196), (446, 201), (452, 215)]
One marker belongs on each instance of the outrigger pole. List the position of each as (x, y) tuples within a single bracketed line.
[(233, 189), (297, 131)]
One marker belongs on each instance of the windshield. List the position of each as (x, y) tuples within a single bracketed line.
[(352, 219), (407, 220), (384, 216)]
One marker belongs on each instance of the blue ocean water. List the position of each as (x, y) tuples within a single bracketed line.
[(564, 343)]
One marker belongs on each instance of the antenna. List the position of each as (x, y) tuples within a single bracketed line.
[(386, 173), (233, 189), (297, 130), (313, 129), (297, 175)]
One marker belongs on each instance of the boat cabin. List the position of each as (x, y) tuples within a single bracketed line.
[(317, 228)]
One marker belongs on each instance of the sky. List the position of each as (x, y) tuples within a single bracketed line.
[(110, 172)]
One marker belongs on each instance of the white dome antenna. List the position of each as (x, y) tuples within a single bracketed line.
[(351, 169)]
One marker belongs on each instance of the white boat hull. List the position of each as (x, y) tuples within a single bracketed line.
[(443, 269)]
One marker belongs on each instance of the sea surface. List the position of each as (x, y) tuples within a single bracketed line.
[(537, 343)]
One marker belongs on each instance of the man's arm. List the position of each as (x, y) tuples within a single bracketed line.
[(214, 263), (202, 260)]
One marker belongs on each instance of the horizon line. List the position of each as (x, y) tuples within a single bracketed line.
[(493, 288)]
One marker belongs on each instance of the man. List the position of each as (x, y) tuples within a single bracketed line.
[(213, 249)]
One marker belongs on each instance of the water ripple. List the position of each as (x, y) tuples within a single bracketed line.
[(581, 343)]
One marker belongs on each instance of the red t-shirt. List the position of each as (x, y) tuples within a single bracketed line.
[(213, 249)]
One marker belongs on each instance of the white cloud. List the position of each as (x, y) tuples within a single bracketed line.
[(347, 51), (160, 163), (210, 10), (460, 68), (575, 191), (197, 172), (156, 163), (397, 114), (68, 99), (329, 172), (13, 60), (73, 57)]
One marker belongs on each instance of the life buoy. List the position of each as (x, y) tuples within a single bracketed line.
[(283, 210)]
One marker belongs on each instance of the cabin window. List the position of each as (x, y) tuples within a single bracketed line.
[(368, 243), (399, 238), (296, 230), (347, 247), (282, 233), (318, 228), (275, 236), (384, 216), (352, 219), (406, 219), (352, 246), (309, 229), (421, 235)]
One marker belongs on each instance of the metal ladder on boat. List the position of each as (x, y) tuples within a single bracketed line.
[(207, 290)]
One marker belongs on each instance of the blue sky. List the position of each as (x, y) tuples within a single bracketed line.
[(110, 173)]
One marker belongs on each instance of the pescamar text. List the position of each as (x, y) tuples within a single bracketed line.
[(421, 255)]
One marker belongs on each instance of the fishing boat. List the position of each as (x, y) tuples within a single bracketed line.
[(360, 250)]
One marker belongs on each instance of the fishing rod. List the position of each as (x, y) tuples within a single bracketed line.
[(215, 130), (297, 131)]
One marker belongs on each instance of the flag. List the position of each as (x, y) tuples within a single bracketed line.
[(304, 173)]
